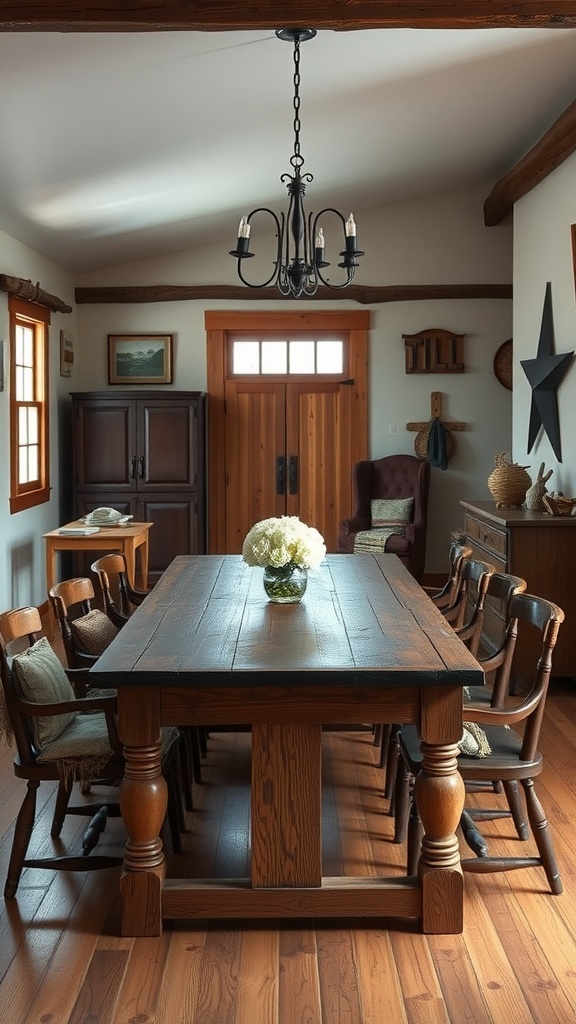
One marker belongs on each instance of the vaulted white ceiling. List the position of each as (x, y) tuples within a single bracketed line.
[(118, 147)]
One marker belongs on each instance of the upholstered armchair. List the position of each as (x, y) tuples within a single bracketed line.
[(393, 477)]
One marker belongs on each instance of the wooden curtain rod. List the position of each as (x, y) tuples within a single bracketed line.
[(25, 289), (357, 293)]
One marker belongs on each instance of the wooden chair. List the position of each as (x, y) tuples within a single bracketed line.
[(111, 572), (447, 596), (57, 742), (470, 605), (513, 760), (86, 631), (468, 613)]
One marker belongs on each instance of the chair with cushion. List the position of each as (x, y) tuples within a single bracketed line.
[(86, 631), (63, 739), (391, 504), (469, 611), (502, 754), (111, 572)]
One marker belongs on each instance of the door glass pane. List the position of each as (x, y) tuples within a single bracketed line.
[(274, 356), (329, 357), (301, 357), (246, 357)]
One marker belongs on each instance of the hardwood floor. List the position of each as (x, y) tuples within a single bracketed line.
[(62, 962)]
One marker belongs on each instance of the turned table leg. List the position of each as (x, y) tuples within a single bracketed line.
[(439, 792), (143, 803)]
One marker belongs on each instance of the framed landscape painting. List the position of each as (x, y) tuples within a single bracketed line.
[(140, 358)]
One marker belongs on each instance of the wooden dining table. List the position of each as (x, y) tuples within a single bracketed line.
[(365, 645)]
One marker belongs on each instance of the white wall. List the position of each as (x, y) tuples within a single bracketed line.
[(22, 577), (436, 240), (542, 253)]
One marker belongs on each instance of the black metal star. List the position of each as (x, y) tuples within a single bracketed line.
[(545, 374)]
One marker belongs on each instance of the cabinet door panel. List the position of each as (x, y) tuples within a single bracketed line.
[(105, 445), (175, 531), (167, 456)]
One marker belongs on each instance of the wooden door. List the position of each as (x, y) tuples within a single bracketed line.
[(288, 452), (255, 444), (318, 455), (279, 445)]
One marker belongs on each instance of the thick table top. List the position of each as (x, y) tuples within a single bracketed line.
[(363, 621)]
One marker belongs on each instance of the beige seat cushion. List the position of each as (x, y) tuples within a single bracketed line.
[(41, 679)]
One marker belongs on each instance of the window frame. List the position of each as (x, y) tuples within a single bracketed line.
[(296, 334), (36, 317)]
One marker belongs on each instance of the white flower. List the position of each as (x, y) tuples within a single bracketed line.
[(279, 541)]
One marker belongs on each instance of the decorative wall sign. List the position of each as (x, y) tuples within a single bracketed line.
[(434, 351), (545, 374), (140, 358)]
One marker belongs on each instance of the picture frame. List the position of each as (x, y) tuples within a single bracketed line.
[(140, 358), (66, 353)]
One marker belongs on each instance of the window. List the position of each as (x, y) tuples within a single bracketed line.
[(280, 357), (29, 465)]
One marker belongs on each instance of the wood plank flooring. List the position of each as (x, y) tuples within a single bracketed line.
[(62, 961)]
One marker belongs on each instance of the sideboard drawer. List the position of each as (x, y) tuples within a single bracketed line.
[(488, 536)]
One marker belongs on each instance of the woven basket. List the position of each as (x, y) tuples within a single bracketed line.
[(508, 482), (421, 443), (558, 505)]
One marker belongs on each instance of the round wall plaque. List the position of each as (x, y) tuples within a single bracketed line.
[(503, 364)]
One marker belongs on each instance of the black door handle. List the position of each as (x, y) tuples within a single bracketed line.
[(293, 474), (141, 461), (280, 475), (133, 467)]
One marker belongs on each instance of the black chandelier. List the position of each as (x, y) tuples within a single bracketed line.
[(299, 262)]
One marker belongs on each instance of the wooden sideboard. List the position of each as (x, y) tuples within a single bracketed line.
[(542, 550)]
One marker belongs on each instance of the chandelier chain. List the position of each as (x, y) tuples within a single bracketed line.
[(297, 159)]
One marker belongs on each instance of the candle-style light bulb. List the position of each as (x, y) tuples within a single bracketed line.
[(244, 228), (320, 239), (350, 226)]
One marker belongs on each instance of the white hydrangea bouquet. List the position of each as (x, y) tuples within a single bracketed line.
[(286, 548)]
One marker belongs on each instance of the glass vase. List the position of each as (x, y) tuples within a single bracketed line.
[(285, 584)]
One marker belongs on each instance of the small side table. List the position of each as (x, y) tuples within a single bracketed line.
[(126, 539)]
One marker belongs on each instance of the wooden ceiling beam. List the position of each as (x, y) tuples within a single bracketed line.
[(220, 15), (355, 293), (553, 148)]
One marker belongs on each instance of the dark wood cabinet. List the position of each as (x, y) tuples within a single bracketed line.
[(144, 454), (542, 550)]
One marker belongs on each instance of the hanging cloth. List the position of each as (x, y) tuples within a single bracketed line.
[(437, 446)]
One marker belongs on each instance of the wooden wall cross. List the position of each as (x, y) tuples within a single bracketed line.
[(434, 351), (436, 414)]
